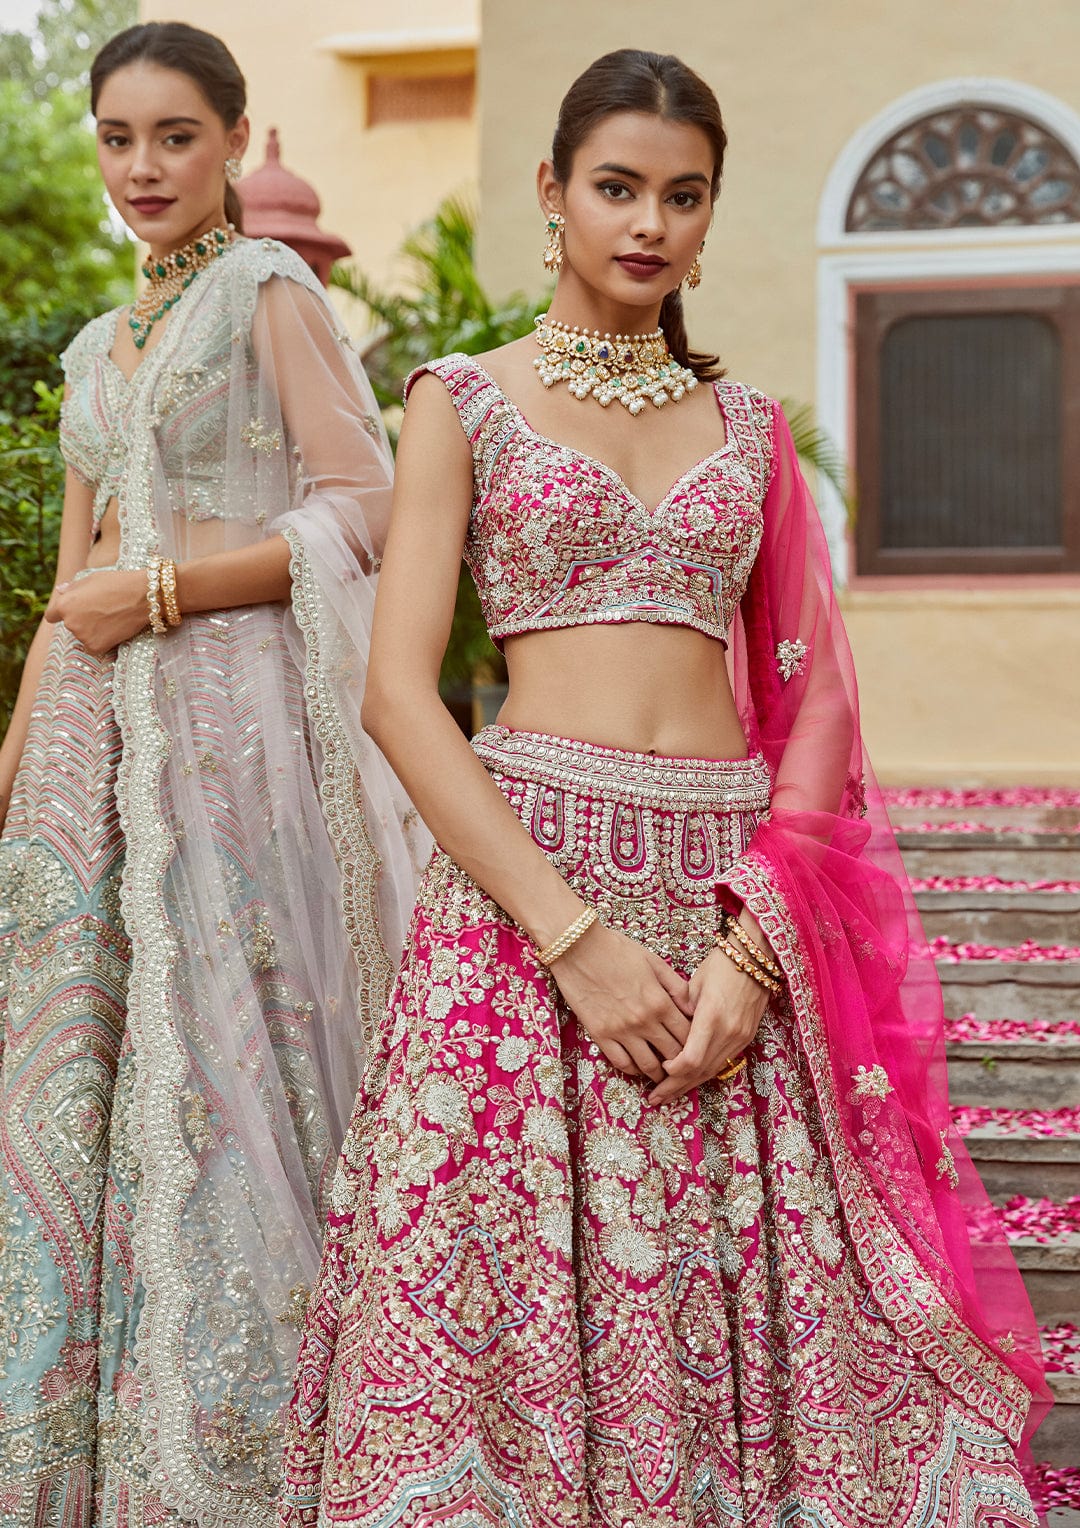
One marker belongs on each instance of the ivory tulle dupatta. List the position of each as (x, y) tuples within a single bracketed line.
[(269, 868)]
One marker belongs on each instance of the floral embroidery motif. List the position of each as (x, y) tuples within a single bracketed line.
[(946, 1164), (557, 539), (872, 1083), (503, 1191), (260, 437), (296, 1307), (789, 657)]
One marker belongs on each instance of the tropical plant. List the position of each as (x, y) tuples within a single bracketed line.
[(443, 308), (57, 245), (817, 449), (31, 501)]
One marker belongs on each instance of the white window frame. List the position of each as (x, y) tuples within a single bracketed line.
[(909, 256)]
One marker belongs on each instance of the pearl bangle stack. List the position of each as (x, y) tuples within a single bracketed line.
[(569, 936)]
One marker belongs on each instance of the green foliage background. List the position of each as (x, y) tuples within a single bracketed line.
[(61, 261)]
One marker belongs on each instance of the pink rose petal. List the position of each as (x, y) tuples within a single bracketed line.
[(945, 950), (968, 1027), (1055, 1486), (1013, 795), (988, 883), (1040, 1122), (1041, 1220)]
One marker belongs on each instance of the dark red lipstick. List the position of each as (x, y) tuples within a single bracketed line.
[(150, 205), (641, 267)]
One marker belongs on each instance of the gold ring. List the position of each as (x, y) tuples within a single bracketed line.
[(728, 1071)]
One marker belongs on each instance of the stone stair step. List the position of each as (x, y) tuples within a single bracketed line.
[(1037, 1166), (1058, 1439), (1015, 1074), (1051, 1274), (1000, 917), (1064, 1517), (1019, 989), (1034, 817), (1009, 856)]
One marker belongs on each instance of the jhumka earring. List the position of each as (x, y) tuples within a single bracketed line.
[(553, 250), (693, 275), (233, 170)]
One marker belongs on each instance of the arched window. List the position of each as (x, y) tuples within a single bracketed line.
[(966, 344), (972, 167)]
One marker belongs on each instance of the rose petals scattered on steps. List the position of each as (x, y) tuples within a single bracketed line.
[(1040, 1220), (968, 1027), (1030, 1122), (1013, 795), (1061, 1348), (988, 883), (1056, 1487), (945, 950)]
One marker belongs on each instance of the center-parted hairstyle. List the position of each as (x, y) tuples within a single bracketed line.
[(662, 86), (200, 55)]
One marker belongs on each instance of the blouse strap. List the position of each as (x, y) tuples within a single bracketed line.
[(749, 416), (473, 393)]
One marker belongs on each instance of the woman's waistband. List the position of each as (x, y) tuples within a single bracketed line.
[(617, 774)]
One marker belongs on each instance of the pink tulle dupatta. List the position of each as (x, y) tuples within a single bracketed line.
[(824, 876)]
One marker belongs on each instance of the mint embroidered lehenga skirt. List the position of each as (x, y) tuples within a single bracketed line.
[(67, 1297), (544, 1303), (73, 1291)]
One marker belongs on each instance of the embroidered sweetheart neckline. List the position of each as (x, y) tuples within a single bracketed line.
[(609, 471)]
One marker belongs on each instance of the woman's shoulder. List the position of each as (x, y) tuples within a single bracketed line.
[(253, 262), (93, 339), (731, 388)]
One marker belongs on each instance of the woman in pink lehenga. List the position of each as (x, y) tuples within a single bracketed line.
[(651, 1212)]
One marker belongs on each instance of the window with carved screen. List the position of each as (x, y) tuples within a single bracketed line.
[(972, 166), (967, 410)]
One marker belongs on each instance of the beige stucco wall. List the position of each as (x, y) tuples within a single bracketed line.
[(794, 81), (376, 184), (975, 689), (957, 684)]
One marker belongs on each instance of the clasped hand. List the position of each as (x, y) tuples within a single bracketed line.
[(649, 1021), (102, 609)]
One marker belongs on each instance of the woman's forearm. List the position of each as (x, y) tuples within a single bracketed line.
[(467, 813), (250, 575), (15, 738)]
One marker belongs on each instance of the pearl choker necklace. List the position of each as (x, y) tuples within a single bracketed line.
[(169, 278), (633, 368)]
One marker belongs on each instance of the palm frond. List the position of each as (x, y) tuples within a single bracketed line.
[(817, 449)]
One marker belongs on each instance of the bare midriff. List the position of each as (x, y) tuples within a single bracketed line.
[(191, 539), (105, 549), (637, 686)]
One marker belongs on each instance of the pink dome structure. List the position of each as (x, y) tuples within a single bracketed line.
[(279, 205)]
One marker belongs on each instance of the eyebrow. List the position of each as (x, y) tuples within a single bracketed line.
[(165, 122), (621, 169)]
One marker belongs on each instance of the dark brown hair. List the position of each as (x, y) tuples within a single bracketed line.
[(663, 86), (200, 55)]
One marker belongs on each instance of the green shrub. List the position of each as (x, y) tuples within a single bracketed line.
[(31, 501)]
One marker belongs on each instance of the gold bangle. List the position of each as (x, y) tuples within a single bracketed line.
[(753, 949), (167, 579), (748, 967), (153, 596), (727, 1072), (581, 924)]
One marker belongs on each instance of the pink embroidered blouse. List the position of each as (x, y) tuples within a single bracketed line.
[(556, 538)]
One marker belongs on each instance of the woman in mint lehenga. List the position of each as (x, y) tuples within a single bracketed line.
[(203, 869)]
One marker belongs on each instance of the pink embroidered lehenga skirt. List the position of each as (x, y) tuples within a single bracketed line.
[(543, 1302)]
